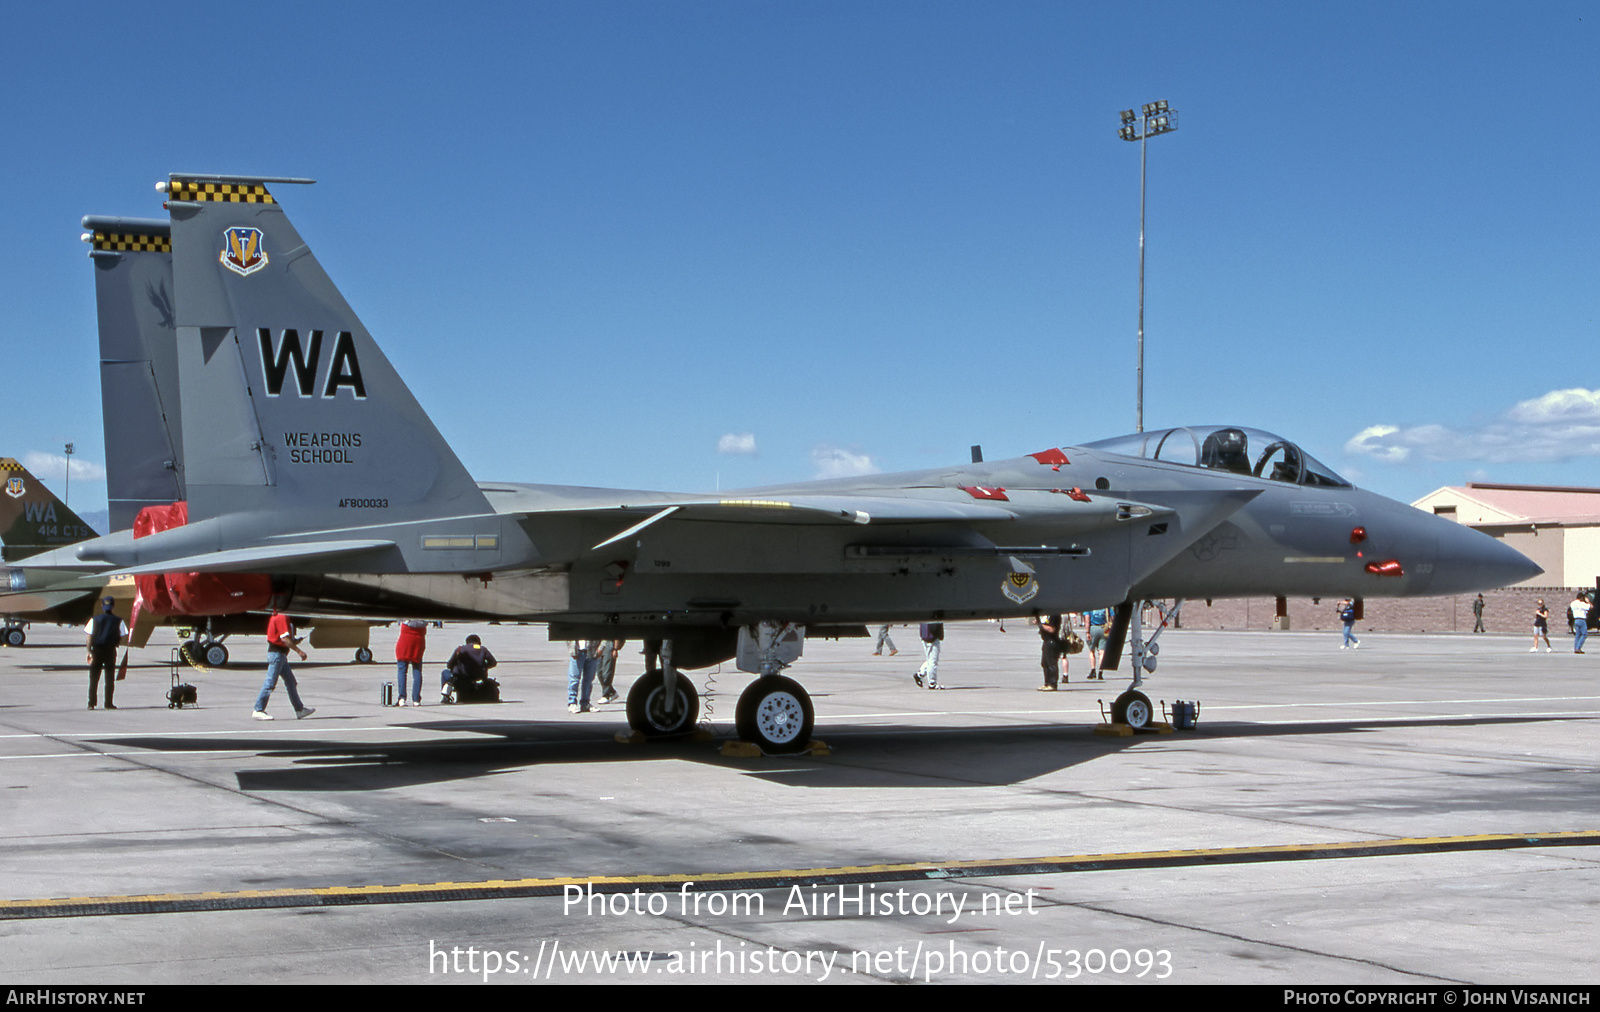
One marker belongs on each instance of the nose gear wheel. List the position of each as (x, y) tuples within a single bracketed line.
[(1133, 709)]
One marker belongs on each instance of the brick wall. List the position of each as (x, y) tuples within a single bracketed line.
[(1505, 611)]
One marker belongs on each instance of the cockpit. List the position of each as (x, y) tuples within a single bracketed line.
[(1232, 448)]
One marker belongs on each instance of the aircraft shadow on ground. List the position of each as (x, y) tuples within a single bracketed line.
[(865, 756)]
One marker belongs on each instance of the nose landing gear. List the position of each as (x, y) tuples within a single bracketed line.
[(1132, 708)]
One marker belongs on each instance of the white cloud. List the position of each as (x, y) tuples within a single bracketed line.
[(834, 462), (1559, 425), (52, 468), (1373, 442), (741, 443), (1575, 405)]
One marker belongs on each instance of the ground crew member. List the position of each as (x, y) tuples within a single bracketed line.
[(102, 636)]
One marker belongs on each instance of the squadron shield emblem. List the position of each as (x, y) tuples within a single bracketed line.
[(14, 487), (1019, 587), (243, 250)]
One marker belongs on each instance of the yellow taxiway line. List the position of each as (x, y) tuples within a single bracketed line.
[(436, 892)]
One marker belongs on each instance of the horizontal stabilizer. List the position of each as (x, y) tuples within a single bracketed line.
[(263, 558), (25, 602)]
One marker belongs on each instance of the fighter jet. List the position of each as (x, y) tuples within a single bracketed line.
[(307, 459), (33, 520)]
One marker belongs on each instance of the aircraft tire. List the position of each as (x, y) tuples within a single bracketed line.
[(15, 637), (215, 654), (646, 710), (1133, 709), (775, 714), (363, 655)]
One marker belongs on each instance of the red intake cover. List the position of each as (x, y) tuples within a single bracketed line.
[(195, 593)]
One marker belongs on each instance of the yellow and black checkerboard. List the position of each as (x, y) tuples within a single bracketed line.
[(131, 242), (229, 193)]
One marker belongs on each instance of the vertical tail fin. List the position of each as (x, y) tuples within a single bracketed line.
[(290, 410), (32, 519), (138, 363)]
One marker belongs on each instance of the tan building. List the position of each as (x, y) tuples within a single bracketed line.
[(1557, 526)]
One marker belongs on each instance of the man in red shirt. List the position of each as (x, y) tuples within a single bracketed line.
[(280, 640)]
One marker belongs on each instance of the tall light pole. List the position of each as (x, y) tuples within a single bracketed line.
[(1158, 118), (66, 492)]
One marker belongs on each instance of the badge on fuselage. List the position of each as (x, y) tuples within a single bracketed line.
[(1019, 587)]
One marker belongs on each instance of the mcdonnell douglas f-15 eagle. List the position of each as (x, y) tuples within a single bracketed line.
[(306, 458)]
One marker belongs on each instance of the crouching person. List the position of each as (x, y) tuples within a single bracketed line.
[(466, 679)]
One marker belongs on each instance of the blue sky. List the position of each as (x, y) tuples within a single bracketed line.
[(675, 245)]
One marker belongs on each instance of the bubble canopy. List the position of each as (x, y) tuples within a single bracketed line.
[(1230, 448)]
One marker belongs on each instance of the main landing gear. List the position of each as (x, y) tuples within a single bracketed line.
[(13, 636), (204, 652), (656, 711), (662, 703), (774, 713)]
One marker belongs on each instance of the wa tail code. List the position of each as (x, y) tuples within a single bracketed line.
[(344, 369)]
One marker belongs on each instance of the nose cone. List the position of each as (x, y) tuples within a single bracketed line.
[(1470, 561)]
